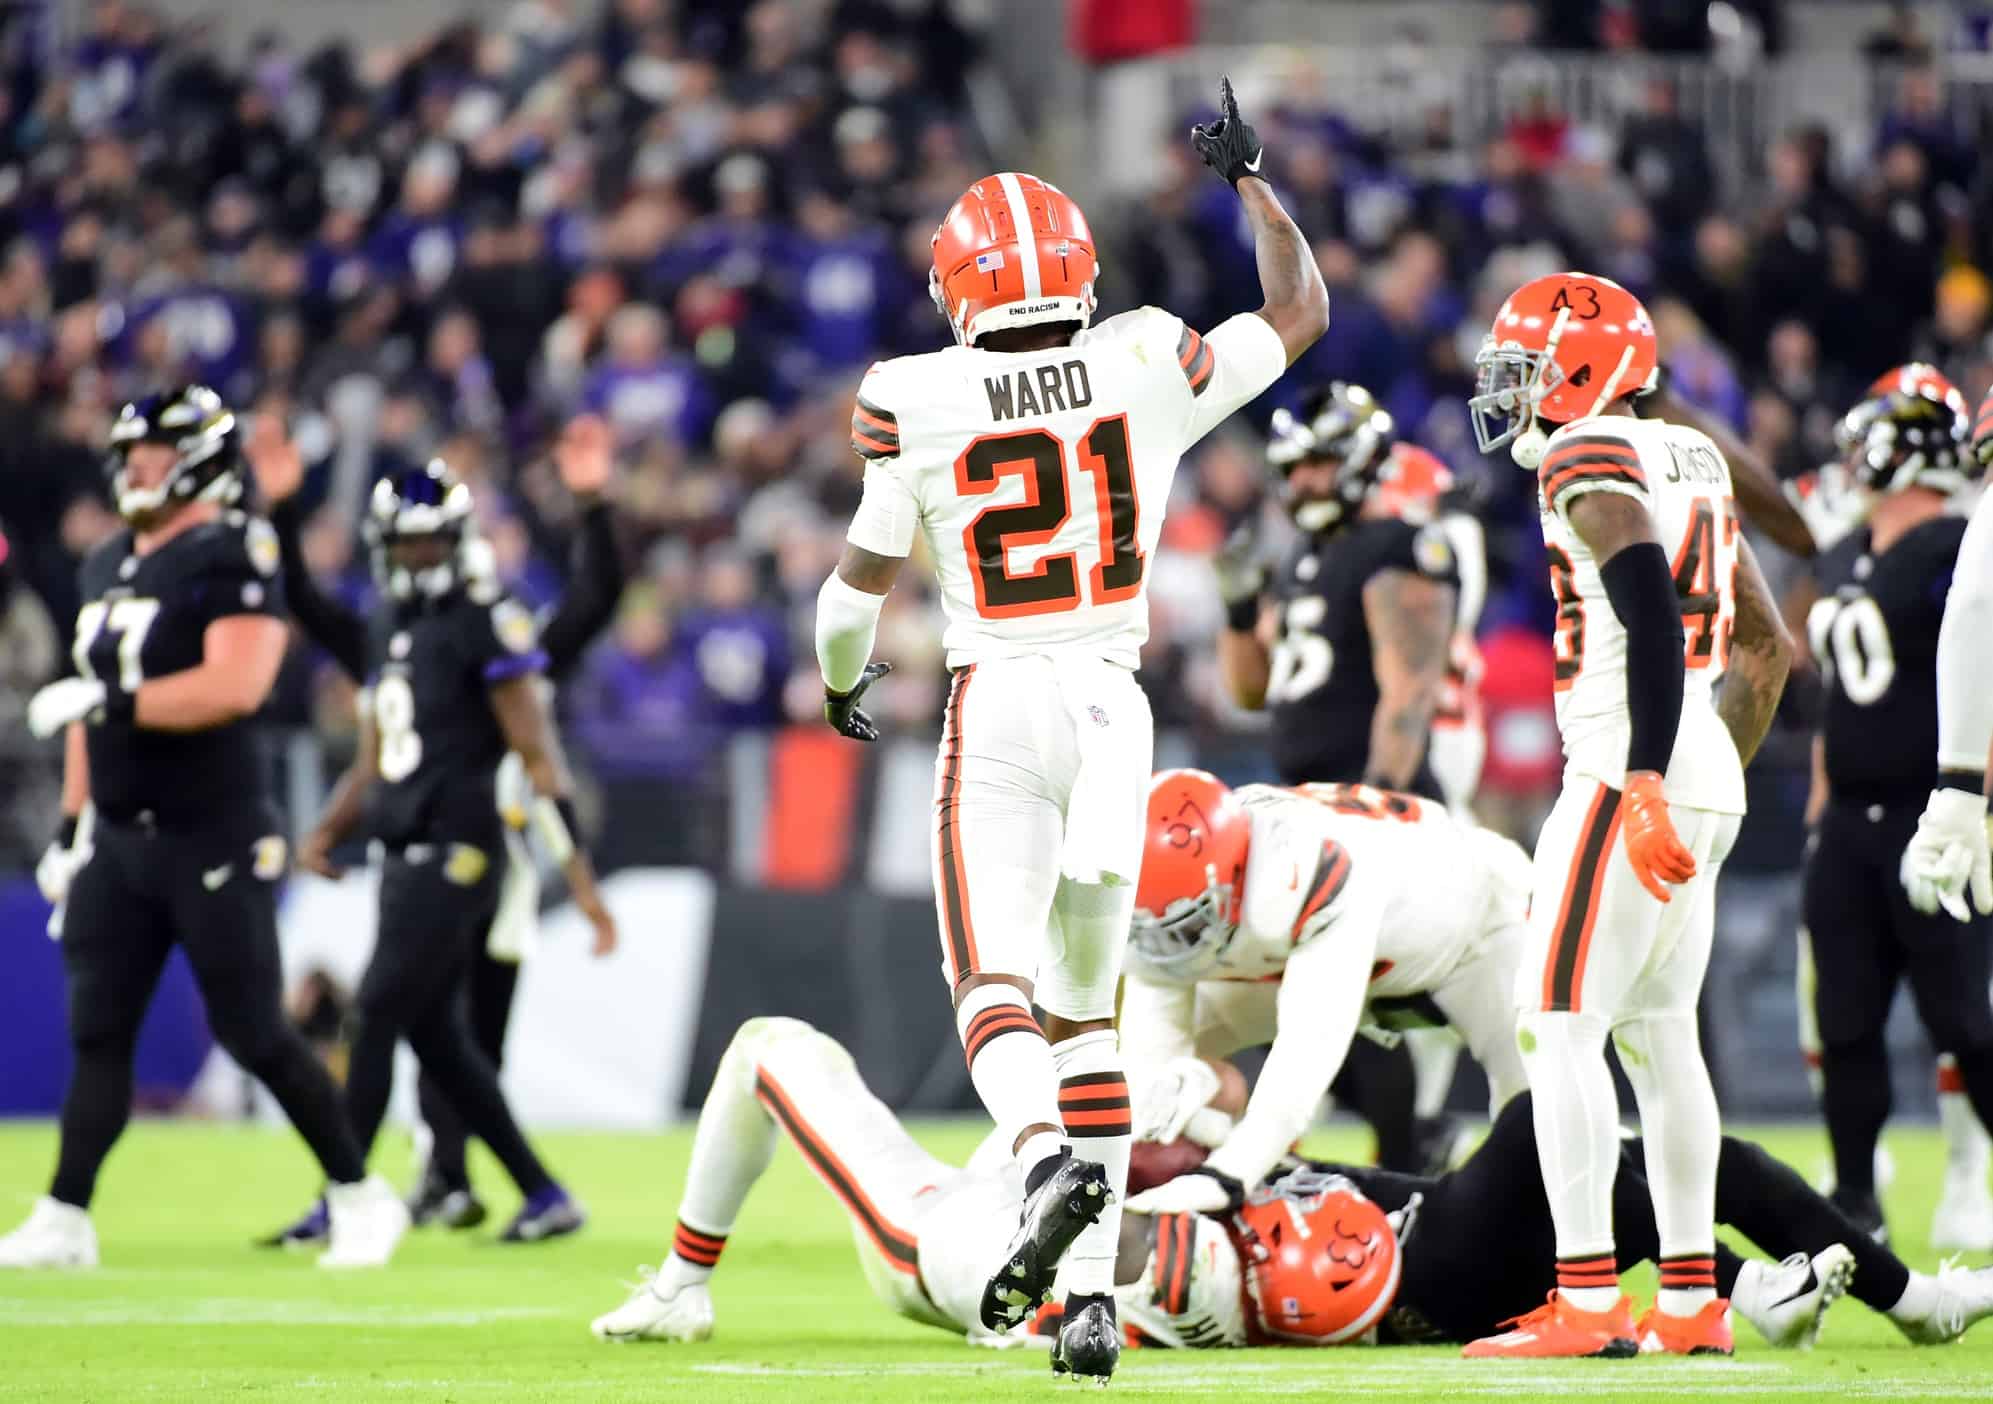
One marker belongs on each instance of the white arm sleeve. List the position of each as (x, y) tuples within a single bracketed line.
[(1321, 1003), (847, 621), (887, 514), (1247, 356), (1965, 650)]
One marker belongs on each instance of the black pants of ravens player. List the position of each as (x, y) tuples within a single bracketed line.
[(492, 983), (1461, 1282), (214, 895), (1867, 939), (437, 903)]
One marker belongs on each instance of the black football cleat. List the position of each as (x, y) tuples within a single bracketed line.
[(1071, 1197), (309, 1231), (1089, 1344), (551, 1213), (442, 1203)]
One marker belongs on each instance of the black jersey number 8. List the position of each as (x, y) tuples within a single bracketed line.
[(1052, 586)]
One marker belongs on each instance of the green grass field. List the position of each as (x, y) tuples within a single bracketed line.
[(184, 1309)]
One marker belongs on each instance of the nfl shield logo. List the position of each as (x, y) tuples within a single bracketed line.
[(989, 262), (1099, 716)]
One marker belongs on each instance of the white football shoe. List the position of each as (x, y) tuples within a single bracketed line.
[(1963, 1221), (685, 1314), (368, 1220), (1788, 1301), (1964, 1296), (54, 1235)]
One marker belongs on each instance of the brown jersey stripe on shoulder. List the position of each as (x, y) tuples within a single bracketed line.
[(1194, 358), (865, 446), (887, 419), (1578, 479)]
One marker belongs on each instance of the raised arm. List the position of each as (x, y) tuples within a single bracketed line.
[(1765, 506), (1760, 657), (1297, 300), (279, 472), (595, 581)]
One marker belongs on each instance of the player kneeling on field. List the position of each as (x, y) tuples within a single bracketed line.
[(1317, 1254), (1291, 917)]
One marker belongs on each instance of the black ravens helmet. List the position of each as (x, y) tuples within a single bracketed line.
[(1911, 430), (1340, 424), (199, 428), (430, 503)]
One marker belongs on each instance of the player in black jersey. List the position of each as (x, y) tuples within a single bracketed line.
[(177, 646), (1346, 649), (585, 458), (1460, 1282), (1346, 646), (1875, 632), (452, 664)]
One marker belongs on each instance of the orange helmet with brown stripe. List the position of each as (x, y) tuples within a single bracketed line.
[(1193, 875), (1412, 483), (1013, 251), (1561, 348), (1322, 1264)]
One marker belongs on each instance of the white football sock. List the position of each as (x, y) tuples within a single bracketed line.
[(731, 1147), (1968, 1150), (1093, 1101), (1577, 1147), (1662, 1056), (1919, 1299), (1434, 1053), (1011, 1065)]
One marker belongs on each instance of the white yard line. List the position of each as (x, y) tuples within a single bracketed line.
[(247, 1311)]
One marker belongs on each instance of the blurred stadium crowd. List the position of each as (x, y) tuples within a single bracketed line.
[(701, 219)]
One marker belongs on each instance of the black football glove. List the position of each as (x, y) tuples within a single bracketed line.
[(1229, 145), (842, 711)]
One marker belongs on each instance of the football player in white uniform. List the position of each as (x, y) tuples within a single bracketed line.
[(1035, 457), (1657, 597), (1282, 916), (1949, 853), (1311, 1259)]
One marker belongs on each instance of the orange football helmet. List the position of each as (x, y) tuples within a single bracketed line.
[(1561, 348), (1014, 251), (1193, 875), (1412, 483), (1322, 1260)]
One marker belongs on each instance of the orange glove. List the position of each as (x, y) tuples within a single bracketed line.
[(1652, 846)]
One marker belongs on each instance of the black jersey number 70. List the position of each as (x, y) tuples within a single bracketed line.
[(1052, 586)]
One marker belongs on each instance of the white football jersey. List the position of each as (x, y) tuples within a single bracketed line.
[(1039, 479), (1326, 860), (1681, 478)]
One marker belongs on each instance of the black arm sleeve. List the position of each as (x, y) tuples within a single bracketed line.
[(595, 584), (1642, 593), (338, 630)]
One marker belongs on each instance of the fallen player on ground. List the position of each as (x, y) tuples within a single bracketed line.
[(925, 1230)]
